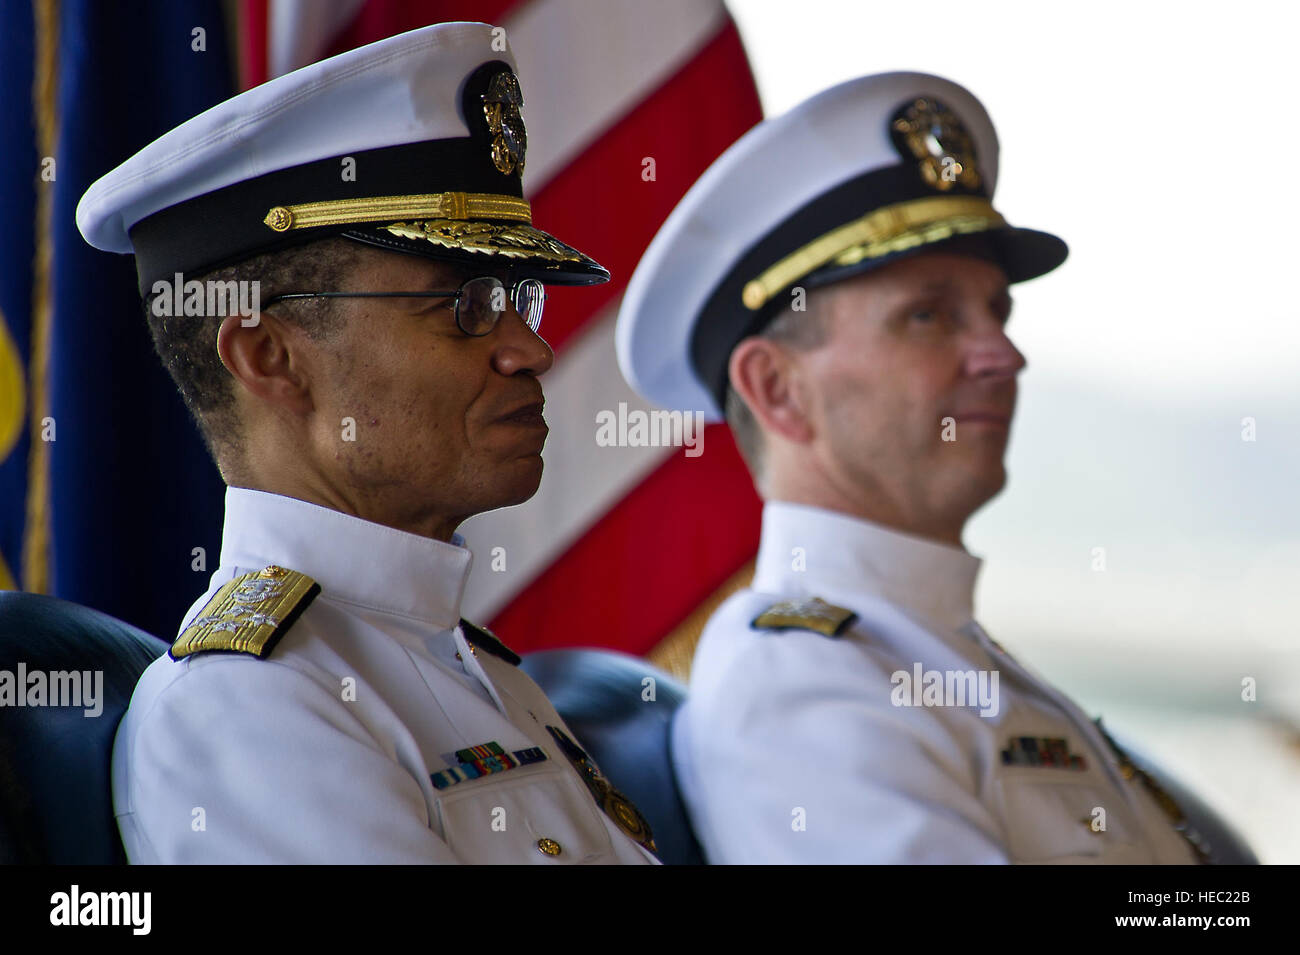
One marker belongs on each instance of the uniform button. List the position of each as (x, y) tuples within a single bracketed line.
[(548, 847)]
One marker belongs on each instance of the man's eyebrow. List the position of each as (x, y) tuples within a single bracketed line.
[(906, 293), (948, 285), (439, 280), (931, 287)]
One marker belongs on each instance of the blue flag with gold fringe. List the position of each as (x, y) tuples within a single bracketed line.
[(107, 495)]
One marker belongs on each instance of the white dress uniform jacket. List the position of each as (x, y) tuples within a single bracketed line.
[(323, 751), (791, 747)]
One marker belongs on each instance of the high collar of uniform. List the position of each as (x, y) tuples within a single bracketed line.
[(821, 553), (352, 559)]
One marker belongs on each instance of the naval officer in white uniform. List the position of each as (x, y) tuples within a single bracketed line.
[(836, 285), (324, 701)]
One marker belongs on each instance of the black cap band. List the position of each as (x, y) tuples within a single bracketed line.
[(228, 225)]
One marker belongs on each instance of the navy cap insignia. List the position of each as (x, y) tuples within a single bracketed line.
[(248, 614), (501, 108), (931, 133), (811, 614)]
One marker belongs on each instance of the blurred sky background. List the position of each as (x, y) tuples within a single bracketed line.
[(1158, 140)]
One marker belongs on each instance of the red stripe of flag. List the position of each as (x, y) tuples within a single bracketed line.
[(253, 46)]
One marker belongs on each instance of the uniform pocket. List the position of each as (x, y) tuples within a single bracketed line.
[(535, 818), (1049, 819)]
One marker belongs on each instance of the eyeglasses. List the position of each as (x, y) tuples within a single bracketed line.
[(479, 301)]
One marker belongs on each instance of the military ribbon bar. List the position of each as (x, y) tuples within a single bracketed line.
[(482, 751), (484, 760)]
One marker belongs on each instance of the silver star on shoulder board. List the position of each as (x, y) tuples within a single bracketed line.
[(257, 590)]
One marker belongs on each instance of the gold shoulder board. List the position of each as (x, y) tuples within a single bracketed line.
[(811, 614), (249, 614)]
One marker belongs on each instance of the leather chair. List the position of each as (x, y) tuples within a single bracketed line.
[(56, 804), (602, 696)]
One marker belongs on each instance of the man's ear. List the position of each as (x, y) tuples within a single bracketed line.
[(767, 378), (268, 359)]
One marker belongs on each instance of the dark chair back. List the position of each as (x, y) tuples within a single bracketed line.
[(56, 803)]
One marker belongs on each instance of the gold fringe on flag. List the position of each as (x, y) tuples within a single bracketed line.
[(36, 531)]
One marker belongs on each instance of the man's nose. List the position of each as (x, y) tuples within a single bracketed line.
[(993, 355), (519, 348)]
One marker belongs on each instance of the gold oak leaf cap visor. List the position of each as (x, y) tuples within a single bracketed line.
[(862, 174), (415, 144)]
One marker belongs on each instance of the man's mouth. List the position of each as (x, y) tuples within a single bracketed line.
[(529, 415)]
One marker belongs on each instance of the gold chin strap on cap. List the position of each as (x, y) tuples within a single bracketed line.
[(880, 232), (441, 205)]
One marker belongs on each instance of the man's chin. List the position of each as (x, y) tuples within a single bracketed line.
[(526, 478), (985, 484), (975, 478)]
